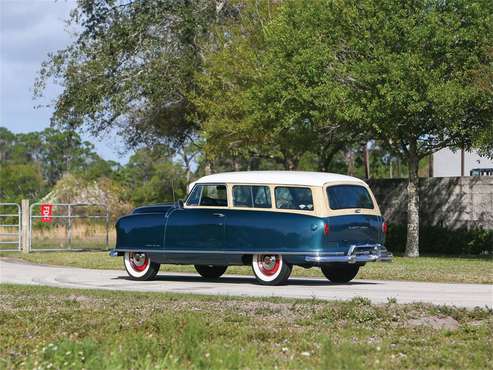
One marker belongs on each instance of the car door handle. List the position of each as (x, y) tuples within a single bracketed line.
[(218, 214)]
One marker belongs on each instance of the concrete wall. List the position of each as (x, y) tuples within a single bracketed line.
[(451, 202), (447, 163)]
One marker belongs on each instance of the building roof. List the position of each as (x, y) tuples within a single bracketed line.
[(276, 177)]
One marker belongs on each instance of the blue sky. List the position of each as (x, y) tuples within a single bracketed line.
[(29, 30)]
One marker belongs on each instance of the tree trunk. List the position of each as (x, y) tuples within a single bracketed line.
[(412, 243), (290, 163), (350, 162), (208, 168), (236, 164), (188, 170), (366, 160)]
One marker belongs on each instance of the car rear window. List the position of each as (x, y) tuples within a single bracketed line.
[(294, 198), (349, 196), (251, 196)]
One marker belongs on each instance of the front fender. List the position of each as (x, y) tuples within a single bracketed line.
[(140, 231)]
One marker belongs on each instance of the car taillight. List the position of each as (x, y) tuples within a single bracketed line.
[(326, 229), (384, 227)]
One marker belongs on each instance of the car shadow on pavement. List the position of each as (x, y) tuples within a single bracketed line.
[(244, 280)]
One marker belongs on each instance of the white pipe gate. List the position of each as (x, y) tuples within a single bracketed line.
[(10, 225), (16, 225), (69, 216)]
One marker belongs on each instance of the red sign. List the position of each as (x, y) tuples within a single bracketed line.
[(46, 212)]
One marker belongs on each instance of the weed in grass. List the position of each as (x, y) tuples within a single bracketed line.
[(60, 328)]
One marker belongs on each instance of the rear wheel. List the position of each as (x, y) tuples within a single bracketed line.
[(210, 271), (340, 272), (270, 269), (139, 266)]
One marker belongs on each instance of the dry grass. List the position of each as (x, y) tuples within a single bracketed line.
[(56, 235)]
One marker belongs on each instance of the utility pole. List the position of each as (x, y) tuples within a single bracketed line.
[(462, 162), (430, 166)]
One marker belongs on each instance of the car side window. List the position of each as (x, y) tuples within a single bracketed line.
[(251, 196), (194, 197), (294, 198), (214, 196), (261, 197)]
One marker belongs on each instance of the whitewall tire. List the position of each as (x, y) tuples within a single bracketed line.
[(139, 266), (270, 269)]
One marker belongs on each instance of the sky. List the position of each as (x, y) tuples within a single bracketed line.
[(29, 30)]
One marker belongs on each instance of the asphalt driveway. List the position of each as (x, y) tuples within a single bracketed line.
[(378, 291)]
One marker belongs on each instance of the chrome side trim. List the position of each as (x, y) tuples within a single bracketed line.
[(302, 253), (377, 253)]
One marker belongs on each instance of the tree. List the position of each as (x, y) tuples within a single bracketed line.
[(262, 92), (131, 67), (402, 72), (20, 181), (50, 154), (151, 177)]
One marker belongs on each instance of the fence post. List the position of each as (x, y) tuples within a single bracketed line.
[(69, 227), (25, 226)]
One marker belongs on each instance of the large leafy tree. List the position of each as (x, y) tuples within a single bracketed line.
[(405, 73), (262, 92), (131, 67)]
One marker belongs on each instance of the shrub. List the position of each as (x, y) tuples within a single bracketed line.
[(440, 240)]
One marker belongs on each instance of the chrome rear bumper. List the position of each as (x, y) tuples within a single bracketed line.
[(356, 254)]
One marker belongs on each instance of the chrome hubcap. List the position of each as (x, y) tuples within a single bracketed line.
[(139, 259), (269, 262)]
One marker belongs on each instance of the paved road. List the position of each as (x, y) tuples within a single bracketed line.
[(461, 295)]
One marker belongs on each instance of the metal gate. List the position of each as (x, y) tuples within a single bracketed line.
[(9, 228), (69, 216)]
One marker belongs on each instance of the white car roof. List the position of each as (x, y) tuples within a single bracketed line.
[(276, 177)]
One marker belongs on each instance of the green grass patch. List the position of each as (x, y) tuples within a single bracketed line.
[(57, 328), (432, 269)]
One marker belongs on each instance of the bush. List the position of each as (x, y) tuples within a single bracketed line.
[(443, 241)]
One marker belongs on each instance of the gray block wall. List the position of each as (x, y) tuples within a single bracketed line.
[(451, 202)]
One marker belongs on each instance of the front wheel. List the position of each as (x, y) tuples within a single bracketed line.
[(139, 266), (210, 271), (270, 269), (340, 272)]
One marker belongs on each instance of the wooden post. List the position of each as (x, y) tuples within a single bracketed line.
[(25, 226), (430, 166)]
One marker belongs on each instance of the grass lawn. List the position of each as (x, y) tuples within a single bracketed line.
[(43, 327), (433, 269)]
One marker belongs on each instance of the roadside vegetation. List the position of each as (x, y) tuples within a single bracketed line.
[(432, 269), (61, 328), (370, 89)]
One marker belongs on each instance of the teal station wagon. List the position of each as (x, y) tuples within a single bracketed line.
[(271, 220)]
